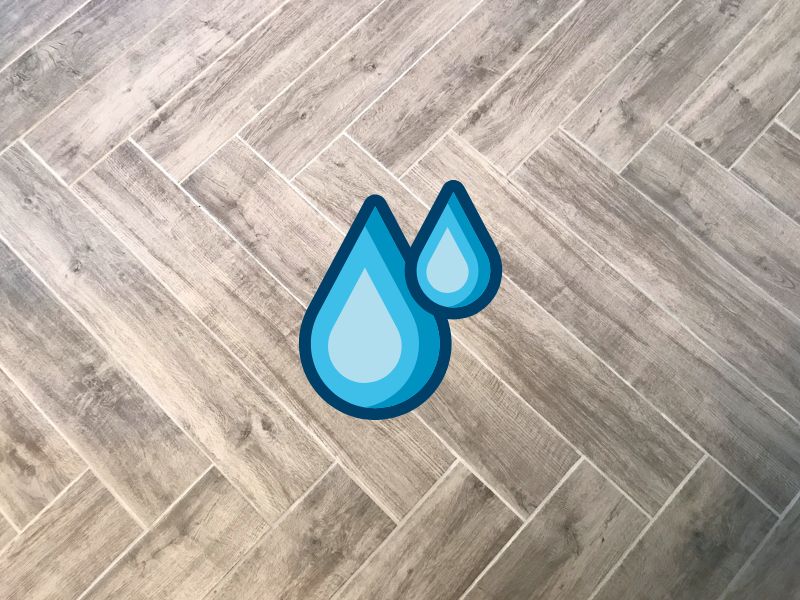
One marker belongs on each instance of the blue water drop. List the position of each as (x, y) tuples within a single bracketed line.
[(366, 345), (454, 268)]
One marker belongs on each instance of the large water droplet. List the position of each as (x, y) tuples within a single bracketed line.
[(366, 345), (454, 268)]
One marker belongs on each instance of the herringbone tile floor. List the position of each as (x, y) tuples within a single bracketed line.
[(622, 422)]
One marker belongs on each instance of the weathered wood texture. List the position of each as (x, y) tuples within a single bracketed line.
[(7, 532), (790, 116)]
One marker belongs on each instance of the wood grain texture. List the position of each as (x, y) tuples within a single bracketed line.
[(73, 541), (251, 437), (215, 277), (654, 80), (69, 56), (120, 431), (773, 572), (436, 92), (323, 102), (690, 384), (444, 544), (568, 547), (696, 546), (314, 550), (530, 101), (772, 167), (671, 265), (211, 110), (101, 114), (494, 430), (189, 549), (729, 111), (7, 533), (790, 116), (36, 463)]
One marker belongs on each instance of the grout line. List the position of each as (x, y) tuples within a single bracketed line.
[(4, 514), (783, 125), (525, 524)]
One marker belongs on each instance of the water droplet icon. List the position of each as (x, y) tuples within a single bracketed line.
[(453, 268), (366, 345)]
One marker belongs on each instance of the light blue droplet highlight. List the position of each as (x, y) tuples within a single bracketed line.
[(447, 270)]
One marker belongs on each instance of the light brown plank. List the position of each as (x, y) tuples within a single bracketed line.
[(790, 117), (772, 167), (7, 532), (68, 57), (36, 463), (233, 90), (100, 115), (436, 92), (532, 99), (690, 384), (255, 317), (312, 552), (670, 264), (441, 548), (66, 548), (696, 545), (496, 432), (173, 357), (773, 572), (654, 80), (568, 547), (321, 103), (726, 114), (189, 549)]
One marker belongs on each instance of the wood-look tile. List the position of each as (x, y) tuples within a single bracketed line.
[(251, 313), (314, 550), (235, 88), (101, 114), (531, 100), (69, 56), (175, 359), (36, 463), (68, 546), (441, 548), (564, 552), (321, 103), (656, 78), (790, 116), (772, 167), (436, 92), (126, 438), (697, 545), (689, 383), (670, 264), (726, 114), (189, 549), (7, 532)]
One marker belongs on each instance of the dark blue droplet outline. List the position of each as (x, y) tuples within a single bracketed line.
[(371, 203), (457, 189)]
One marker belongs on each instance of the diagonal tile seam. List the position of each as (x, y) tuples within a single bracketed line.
[(4, 514), (782, 123)]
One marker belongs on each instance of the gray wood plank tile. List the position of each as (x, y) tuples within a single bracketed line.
[(294, 128), (790, 116), (564, 552), (175, 359), (233, 90), (772, 167), (224, 286), (66, 548), (693, 386), (69, 56), (126, 438), (189, 549), (101, 114), (36, 463), (7, 533), (436, 92), (441, 548), (496, 432), (751, 234), (655, 79), (726, 114), (314, 550), (773, 572), (670, 264), (696, 545), (532, 99)]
